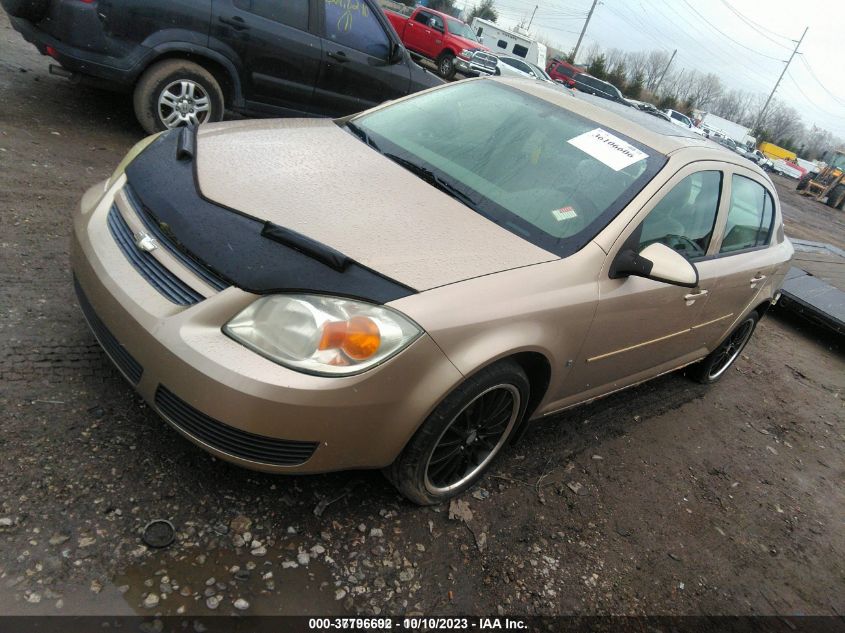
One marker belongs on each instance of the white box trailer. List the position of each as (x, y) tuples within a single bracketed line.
[(500, 40), (740, 134)]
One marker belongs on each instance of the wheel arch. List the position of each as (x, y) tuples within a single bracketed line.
[(223, 70)]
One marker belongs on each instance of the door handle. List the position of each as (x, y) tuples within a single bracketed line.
[(695, 295), (339, 56), (236, 23), (757, 279)]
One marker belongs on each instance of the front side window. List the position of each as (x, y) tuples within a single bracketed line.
[(536, 169), (351, 23), (684, 218), (290, 12), (750, 216)]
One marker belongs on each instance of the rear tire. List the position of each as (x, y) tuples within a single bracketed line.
[(716, 364), (446, 65), (462, 437), (176, 92), (836, 197), (32, 10)]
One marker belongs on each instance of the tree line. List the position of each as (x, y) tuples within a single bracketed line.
[(640, 75)]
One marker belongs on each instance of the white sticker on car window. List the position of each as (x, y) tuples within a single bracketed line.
[(607, 148), (565, 213)]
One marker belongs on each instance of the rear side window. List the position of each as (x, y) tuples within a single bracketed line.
[(750, 216), (519, 50), (351, 23), (684, 218), (290, 12)]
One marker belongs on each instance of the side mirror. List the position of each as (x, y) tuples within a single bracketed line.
[(397, 53), (658, 262)]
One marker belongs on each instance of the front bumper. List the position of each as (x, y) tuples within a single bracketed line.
[(217, 393), (472, 69)]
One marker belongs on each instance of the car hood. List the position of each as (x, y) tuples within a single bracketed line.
[(470, 44), (315, 178)]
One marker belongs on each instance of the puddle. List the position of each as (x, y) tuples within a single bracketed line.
[(183, 583)]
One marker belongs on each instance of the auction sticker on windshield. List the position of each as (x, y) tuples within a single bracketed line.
[(607, 148)]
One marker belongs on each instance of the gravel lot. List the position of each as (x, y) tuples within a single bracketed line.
[(669, 498)]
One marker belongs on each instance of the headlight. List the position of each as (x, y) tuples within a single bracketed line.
[(139, 147), (465, 54), (322, 335)]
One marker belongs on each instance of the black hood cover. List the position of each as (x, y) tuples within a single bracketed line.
[(247, 252)]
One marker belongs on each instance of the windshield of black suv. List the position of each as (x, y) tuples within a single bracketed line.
[(456, 27), (533, 167)]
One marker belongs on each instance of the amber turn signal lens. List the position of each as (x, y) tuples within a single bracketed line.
[(359, 337)]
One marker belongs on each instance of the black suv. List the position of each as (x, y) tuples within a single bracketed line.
[(190, 60), (594, 86)]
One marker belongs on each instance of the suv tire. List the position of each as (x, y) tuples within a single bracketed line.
[(716, 364), (176, 92), (463, 435)]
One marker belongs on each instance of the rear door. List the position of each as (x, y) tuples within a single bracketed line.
[(742, 261), (275, 47), (356, 72)]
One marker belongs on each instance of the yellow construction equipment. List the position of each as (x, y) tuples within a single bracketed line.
[(828, 185)]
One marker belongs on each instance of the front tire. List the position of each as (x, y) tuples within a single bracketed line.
[(446, 65), (176, 92), (716, 364), (457, 443), (836, 197), (802, 184)]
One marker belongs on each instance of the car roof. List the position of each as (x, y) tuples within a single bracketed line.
[(660, 134)]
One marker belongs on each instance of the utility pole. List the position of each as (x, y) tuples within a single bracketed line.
[(584, 30), (663, 74), (785, 68), (532, 16)]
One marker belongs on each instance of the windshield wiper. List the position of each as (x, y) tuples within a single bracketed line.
[(433, 179), (360, 133)]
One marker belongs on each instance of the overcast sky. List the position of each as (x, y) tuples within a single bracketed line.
[(746, 53)]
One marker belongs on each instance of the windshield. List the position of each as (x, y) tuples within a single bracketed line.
[(456, 27), (533, 167)]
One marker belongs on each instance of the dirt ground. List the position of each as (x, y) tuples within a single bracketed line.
[(669, 498)]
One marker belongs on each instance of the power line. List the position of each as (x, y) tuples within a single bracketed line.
[(819, 81), (756, 27), (721, 32), (809, 100)]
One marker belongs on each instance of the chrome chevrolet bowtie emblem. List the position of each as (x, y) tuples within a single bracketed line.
[(145, 242)]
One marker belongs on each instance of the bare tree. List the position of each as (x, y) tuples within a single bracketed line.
[(655, 62), (705, 90)]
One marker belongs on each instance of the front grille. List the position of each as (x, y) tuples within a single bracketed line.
[(130, 367), (169, 243), (485, 59), (159, 277), (228, 439)]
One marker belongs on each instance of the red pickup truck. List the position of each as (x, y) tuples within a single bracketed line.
[(445, 40)]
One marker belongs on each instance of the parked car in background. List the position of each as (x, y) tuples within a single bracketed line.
[(679, 118), (604, 89), (649, 108), (436, 36), (563, 71), (523, 250), (512, 67), (188, 62), (758, 157)]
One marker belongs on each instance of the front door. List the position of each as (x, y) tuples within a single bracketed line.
[(643, 327), (356, 73), (278, 58)]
